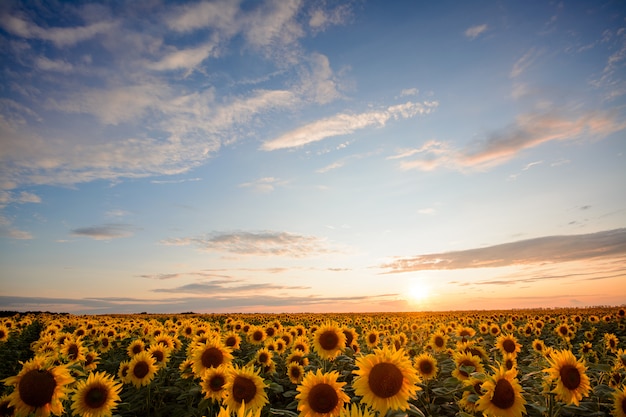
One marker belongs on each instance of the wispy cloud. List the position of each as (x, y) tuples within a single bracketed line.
[(549, 249), (200, 304), (474, 31), (105, 232), (344, 124), (264, 185), (528, 131), (59, 36), (225, 287), (257, 243), (523, 63)]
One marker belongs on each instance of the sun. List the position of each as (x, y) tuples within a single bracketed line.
[(418, 292)]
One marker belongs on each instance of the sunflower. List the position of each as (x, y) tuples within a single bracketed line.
[(295, 372), (135, 347), (610, 342), (244, 385), (122, 372), (185, 369), (438, 341), (301, 343), (386, 379), (160, 353), (329, 341), (298, 356), (73, 350), (231, 340), (539, 346), (572, 383), (619, 403), (465, 360), (96, 396), (426, 365), (141, 369), (256, 335), (4, 333), (263, 357), (320, 395), (213, 382), (507, 344), (92, 358), (503, 395), (372, 338), (39, 388), (210, 355), (471, 394)]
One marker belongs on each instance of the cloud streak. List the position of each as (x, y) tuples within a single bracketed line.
[(345, 124), (528, 131), (474, 31), (549, 249), (267, 243), (105, 232)]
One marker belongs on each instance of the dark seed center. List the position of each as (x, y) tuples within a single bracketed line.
[(385, 380), (212, 357), (509, 346), (329, 340), (323, 398), (96, 397), (216, 383), (570, 377), (36, 387), (426, 367), (243, 389), (141, 369), (503, 395)]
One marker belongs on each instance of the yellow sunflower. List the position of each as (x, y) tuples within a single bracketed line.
[(619, 403), (471, 395), (96, 396), (466, 360), (329, 341), (426, 365), (122, 372), (135, 347), (438, 341), (141, 369), (572, 383), (73, 350), (213, 382), (185, 369), (210, 355), (301, 343), (320, 395), (503, 395), (256, 335), (244, 385), (295, 372), (372, 338), (507, 344), (232, 340), (160, 353), (386, 379), (4, 333), (39, 388), (298, 356)]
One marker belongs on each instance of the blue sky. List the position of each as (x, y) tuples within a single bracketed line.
[(235, 156)]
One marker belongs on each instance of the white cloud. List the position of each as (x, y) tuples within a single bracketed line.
[(59, 36), (264, 185), (528, 131), (58, 65), (524, 62), (318, 82), (474, 31), (257, 243), (185, 58), (320, 19), (344, 124), (220, 14)]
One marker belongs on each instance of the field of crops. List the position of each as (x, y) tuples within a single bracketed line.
[(492, 363)]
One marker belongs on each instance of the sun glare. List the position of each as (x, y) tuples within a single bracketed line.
[(418, 292)]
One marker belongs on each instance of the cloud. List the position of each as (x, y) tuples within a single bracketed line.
[(344, 124), (220, 14), (524, 63), (200, 304), (320, 19), (57, 65), (257, 243), (219, 288), (60, 37), (528, 131), (474, 31), (183, 59), (105, 232), (264, 185), (549, 249)]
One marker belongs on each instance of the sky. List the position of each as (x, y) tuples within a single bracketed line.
[(311, 156)]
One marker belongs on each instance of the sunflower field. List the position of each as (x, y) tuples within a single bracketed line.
[(545, 362)]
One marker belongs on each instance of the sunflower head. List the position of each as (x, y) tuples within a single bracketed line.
[(98, 395), (572, 383), (426, 365), (320, 395), (386, 379), (502, 395), (329, 341), (40, 387), (244, 385)]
